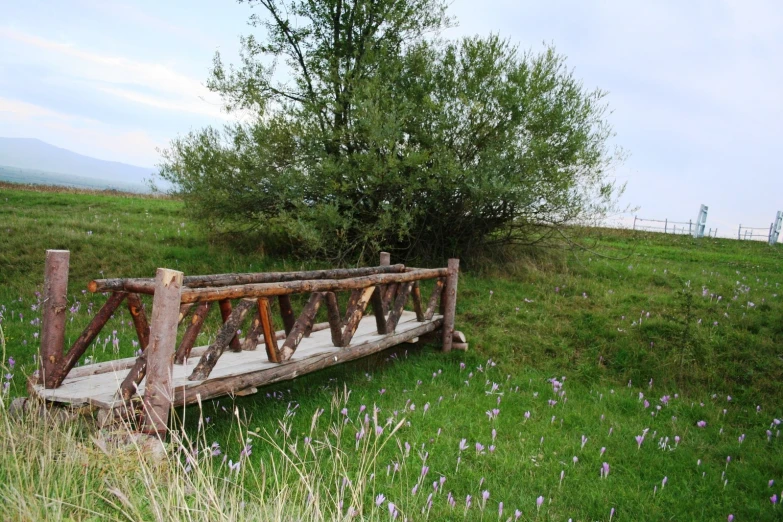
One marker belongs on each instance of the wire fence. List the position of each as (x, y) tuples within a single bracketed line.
[(667, 226), (755, 233)]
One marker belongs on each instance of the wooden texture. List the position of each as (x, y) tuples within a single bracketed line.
[(100, 389), (222, 341), (250, 342), (286, 312), (399, 305), (191, 332), (416, 298), (55, 304), (357, 313), (379, 310), (158, 393), (147, 286), (184, 310), (268, 329), (437, 290), (140, 323), (219, 387), (303, 324), (450, 305), (81, 344), (385, 261), (333, 314), (225, 313), (191, 295)]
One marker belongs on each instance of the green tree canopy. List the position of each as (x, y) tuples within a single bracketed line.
[(361, 129)]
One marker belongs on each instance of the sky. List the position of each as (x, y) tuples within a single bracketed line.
[(695, 88)]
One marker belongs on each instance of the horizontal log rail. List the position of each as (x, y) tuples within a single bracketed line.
[(147, 285), (192, 295)]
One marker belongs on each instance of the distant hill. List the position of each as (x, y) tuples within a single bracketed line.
[(28, 160)]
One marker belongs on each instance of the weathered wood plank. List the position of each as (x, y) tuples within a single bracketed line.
[(290, 370), (158, 393)]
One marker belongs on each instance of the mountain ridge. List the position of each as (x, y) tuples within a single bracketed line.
[(35, 154)]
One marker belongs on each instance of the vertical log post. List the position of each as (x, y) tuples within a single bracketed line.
[(385, 261), (450, 298), (333, 315), (55, 304), (268, 329), (287, 312), (160, 352)]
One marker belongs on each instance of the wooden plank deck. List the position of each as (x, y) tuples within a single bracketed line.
[(98, 384)]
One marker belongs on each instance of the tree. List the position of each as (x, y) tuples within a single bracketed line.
[(366, 131)]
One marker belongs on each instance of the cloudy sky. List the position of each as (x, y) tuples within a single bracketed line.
[(696, 87)]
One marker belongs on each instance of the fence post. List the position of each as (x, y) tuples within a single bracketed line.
[(158, 392), (55, 304), (665, 225), (450, 295), (690, 225), (739, 232), (634, 222)]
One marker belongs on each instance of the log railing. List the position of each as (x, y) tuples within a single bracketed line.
[(179, 299)]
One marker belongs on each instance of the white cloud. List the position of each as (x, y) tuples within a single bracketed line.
[(145, 83), (83, 135)]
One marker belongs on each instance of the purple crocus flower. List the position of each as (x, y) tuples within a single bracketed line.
[(773, 499), (539, 502), (701, 424)]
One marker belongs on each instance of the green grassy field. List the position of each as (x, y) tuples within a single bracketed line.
[(659, 358)]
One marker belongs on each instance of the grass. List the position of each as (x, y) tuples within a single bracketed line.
[(565, 326)]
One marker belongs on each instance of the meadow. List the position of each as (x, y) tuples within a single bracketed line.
[(638, 379)]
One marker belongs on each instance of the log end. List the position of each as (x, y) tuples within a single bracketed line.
[(460, 346), (92, 286), (459, 337)]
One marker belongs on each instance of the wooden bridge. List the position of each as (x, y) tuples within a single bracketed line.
[(166, 374)]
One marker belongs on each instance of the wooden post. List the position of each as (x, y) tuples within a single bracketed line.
[(335, 322), (227, 332), (139, 320), (450, 295), (634, 222), (303, 323), (159, 391), (403, 292), (287, 312), (191, 333), (385, 261), (225, 313), (437, 291), (268, 329), (416, 294), (55, 303), (665, 225)]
